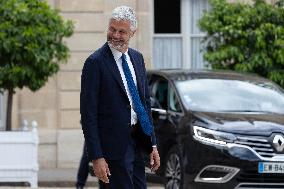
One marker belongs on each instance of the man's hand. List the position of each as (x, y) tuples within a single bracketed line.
[(101, 169), (154, 160)]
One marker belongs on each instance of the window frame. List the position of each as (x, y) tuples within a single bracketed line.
[(186, 34)]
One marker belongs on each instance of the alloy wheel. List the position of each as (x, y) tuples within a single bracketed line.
[(173, 172)]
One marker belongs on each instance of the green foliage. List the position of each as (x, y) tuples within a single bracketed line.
[(31, 43), (245, 37)]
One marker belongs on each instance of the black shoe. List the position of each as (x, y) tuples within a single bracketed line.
[(79, 187)]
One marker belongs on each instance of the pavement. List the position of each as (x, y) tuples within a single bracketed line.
[(62, 179), (8, 187)]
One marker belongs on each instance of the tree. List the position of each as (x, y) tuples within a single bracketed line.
[(245, 37), (31, 45)]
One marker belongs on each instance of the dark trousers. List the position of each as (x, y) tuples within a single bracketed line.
[(128, 173), (83, 170)]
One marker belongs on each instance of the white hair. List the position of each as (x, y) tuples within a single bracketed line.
[(125, 13)]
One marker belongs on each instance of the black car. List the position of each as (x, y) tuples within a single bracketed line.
[(218, 129)]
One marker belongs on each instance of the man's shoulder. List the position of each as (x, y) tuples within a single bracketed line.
[(136, 55), (99, 53), (134, 51)]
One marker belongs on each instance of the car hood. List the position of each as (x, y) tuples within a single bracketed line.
[(243, 123)]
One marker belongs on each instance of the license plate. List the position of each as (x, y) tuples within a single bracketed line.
[(270, 167)]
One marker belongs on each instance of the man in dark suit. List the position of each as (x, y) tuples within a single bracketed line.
[(115, 108), (83, 170)]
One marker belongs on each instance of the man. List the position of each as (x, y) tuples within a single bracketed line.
[(83, 170), (115, 108)]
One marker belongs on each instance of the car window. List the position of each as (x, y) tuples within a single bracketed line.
[(159, 92), (230, 95), (173, 100)]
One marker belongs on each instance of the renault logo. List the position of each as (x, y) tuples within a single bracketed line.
[(278, 143)]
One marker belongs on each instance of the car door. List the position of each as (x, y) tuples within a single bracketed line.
[(165, 108)]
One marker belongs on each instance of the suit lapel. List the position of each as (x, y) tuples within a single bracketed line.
[(111, 64)]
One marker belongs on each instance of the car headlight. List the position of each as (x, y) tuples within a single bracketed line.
[(213, 137)]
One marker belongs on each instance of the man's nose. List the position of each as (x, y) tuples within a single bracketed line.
[(116, 34)]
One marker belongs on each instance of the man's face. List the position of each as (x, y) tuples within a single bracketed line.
[(119, 34)]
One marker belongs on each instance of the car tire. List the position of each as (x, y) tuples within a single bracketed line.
[(174, 170)]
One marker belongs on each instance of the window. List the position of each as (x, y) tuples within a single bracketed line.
[(159, 92), (197, 9), (167, 16), (173, 101), (167, 41), (177, 39)]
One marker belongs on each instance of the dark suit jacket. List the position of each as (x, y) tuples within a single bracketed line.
[(105, 108)]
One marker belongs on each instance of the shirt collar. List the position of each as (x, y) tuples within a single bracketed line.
[(117, 54)]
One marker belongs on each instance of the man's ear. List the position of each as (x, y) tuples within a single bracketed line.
[(132, 33)]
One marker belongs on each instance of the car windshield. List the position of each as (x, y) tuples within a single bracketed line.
[(230, 95)]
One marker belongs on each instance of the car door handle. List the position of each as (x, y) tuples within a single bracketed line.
[(161, 112)]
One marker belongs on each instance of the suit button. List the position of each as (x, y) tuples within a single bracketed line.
[(129, 124)]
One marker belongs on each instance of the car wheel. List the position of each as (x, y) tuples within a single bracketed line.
[(174, 170)]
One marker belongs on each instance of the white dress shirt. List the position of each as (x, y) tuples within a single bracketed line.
[(117, 57)]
